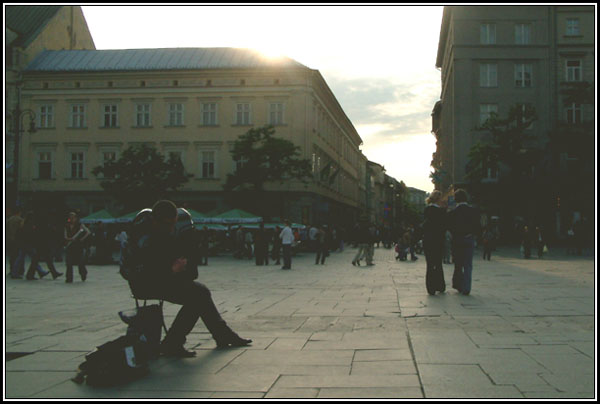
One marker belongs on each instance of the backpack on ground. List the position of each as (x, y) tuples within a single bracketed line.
[(115, 362)]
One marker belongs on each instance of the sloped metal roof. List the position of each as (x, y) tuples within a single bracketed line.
[(154, 59), (28, 21)]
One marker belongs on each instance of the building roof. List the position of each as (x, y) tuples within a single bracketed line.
[(154, 59), (28, 21)]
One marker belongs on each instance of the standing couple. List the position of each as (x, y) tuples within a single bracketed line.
[(463, 223)]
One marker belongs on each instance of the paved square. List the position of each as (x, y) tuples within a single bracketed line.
[(526, 331)]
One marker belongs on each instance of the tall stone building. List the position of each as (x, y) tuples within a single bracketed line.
[(192, 103), (30, 30), (493, 58)]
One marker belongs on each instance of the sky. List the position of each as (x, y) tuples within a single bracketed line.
[(379, 61)]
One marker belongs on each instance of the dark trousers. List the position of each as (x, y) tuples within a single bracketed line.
[(42, 256), (463, 264), (287, 256), (75, 256), (276, 253), (487, 251), (322, 252), (262, 255), (434, 277), (197, 302), (13, 252)]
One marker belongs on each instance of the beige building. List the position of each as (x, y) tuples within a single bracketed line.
[(192, 103), (28, 31), (495, 57)]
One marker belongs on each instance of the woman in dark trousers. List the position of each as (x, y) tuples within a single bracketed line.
[(463, 222), (276, 251), (76, 235), (434, 229), (27, 237), (322, 243)]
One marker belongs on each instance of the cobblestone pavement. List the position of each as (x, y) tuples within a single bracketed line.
[(526, 331)]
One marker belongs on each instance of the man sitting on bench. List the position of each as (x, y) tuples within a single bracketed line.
[(162, 266)]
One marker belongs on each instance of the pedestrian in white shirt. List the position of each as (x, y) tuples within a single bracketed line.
[(122, 239), (287, 238)]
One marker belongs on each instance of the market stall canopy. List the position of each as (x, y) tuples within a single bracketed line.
[(236, 216), (128, 217), (100, 216)]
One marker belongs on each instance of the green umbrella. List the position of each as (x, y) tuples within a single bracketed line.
[(100, 216), (236, 216), (128, 217)]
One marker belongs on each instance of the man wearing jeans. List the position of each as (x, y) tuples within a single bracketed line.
[(287, 238), (464, 226)]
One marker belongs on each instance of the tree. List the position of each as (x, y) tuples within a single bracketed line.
[(141, 176), (265, 158)]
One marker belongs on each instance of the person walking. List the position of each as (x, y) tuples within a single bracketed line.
[(27, 239), (76, 234), (362, 238), (13, 226), (122, 239), (373, 238), (43, 244), (322, 239), (488, 240), (539, 242), (287, 238), (203, 240), (261, 246), (463, 222), (239, 243), (526, 242), (249, 241), (276, 251), (433, 243)]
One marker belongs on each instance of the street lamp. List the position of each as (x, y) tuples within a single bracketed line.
[(18, 116)]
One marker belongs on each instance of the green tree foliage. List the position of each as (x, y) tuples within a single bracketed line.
[(265, 158), (141, 176)]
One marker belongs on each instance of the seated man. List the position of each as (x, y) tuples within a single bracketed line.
[(162, 279)]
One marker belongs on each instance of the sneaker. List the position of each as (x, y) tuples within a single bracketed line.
[(44, 274), (233, 340), (54, 276)]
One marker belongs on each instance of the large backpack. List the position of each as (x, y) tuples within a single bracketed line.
[(115, 362)]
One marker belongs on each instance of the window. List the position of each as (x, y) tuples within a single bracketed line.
[(76, 164), (77, 119), (242, 114), (276, 113), (175, 114), (488, 75), (240, 163), (110, 116), (46, 116), (523, 75), (142, 115), (208, 164), (108, 156), (209, 114), (573, 70), (44, 165), (522, 34), (574, 113), (486, 111), (573, 26), (488, 34), (523, 110)]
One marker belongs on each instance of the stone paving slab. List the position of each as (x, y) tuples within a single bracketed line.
[(336, 331)]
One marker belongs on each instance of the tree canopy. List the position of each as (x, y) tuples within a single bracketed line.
[(141, 176), (264, 158)]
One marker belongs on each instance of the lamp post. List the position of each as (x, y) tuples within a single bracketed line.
[(18, 116)]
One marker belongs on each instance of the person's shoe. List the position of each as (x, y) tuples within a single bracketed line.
[(83, 277), (58, 274), (177, 351), (69, 281), (233, 340), (354, 263)]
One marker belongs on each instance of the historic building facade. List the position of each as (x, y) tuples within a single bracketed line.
[(28, 31), (192, 103), (493, 58)]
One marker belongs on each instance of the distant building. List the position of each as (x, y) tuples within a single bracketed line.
[(417, 198)]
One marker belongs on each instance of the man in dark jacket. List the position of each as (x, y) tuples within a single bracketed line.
[(463, 222), (164, 278)]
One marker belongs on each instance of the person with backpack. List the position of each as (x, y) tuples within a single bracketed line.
[(164, 273), (76, 235)]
